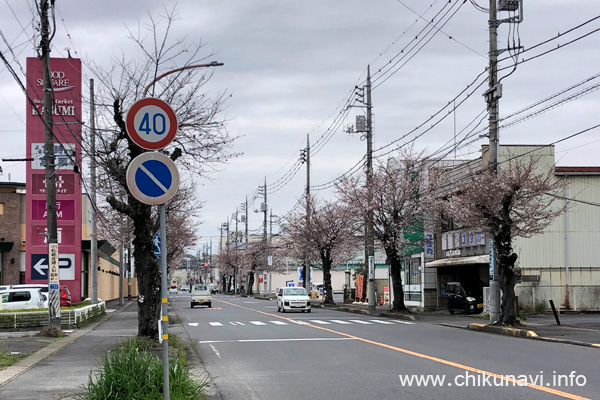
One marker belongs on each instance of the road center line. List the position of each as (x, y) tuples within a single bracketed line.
[(425, 356)]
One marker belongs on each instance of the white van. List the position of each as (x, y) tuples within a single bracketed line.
[(200, 295), (22, 299)]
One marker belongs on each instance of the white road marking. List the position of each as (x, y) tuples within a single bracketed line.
[(273, 340), (381, 322), (215, 324), (318, 321), (338, 321), (250, 302), (192, 323), (359, 321), (278, 322), (405, 322), (215, 350), (257, 323), (298, 322)]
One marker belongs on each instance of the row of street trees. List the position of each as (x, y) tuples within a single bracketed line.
[(410, 190)]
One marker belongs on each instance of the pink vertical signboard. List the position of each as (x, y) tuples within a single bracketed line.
[(66, 84)]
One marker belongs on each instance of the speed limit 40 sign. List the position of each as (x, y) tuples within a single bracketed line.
[(151, 123)]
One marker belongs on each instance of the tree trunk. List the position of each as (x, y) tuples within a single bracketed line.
[(148, 272), (327, 262), (250, 282), (507, 260), (395, 270)]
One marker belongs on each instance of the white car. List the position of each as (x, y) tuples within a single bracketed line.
[(293, 298), (22, 299), (200, 296)]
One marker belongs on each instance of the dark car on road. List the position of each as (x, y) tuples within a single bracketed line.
[(466, 295)]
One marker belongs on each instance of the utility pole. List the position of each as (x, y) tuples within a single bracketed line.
[(53, 274), (237, 242), (369, 239), (305, 157), (94, 238), (265, 244), (492, 97)]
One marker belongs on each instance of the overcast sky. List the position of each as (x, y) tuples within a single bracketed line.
[(292, 65)]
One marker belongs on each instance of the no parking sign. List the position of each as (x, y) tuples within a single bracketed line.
[(152, 178)]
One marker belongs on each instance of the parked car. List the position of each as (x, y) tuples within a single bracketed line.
[(200, 296), (466, 295), (22, 299), (65, 293), (293, 298)]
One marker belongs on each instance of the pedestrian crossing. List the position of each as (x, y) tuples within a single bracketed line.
[(217, 324)]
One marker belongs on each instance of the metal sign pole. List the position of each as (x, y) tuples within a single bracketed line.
[(163, 292)]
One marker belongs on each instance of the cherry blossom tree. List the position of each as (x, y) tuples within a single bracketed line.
[(329, 232), (201, 144), (517, 201), (402, 196)]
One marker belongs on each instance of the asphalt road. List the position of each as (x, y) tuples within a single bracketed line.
[(253, 352)]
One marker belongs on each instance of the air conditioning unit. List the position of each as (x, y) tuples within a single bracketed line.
[(508, 5)]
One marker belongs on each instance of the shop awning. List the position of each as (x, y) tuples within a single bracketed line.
[(448, 262)]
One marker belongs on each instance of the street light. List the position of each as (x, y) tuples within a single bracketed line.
[(163, 262), (211, 64)]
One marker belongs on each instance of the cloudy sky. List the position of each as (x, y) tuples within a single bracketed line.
[(292, 66)]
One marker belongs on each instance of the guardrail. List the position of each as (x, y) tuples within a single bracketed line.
[(34, 319)]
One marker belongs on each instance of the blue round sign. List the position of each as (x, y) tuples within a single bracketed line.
[(152, 178)]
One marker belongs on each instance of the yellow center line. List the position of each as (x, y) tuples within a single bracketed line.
[(516, 382)]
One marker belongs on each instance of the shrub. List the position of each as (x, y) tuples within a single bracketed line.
[(131, 372)]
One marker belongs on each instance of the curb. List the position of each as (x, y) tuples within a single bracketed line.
[(523, 333), (527, 334), (8, 374)]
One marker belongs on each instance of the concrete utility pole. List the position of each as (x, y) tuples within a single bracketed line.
[(94, 238), (53, 257), (265, 244), (306, 157), (369, 238), (492, 96)]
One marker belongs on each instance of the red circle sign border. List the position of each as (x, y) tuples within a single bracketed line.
[(133, 133)]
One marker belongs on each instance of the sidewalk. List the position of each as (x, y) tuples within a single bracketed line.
[(60, 370), (575, 328)]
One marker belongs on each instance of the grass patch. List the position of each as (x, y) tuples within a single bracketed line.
[(6, 360), (132, 371)]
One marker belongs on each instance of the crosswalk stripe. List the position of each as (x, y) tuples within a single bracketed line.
[(318, 321), (358, 321), (215, 324), (257, 323), (338, 321), (278, 322), (405, 322), (192, 323), (298, 322), (381, 322)]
